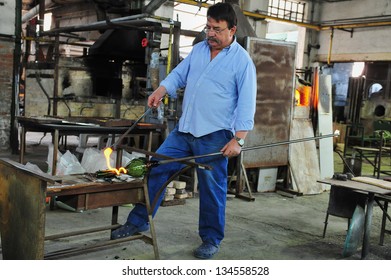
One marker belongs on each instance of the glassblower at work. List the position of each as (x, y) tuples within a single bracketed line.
[(219, 103)]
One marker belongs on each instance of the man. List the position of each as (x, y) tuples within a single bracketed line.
[(219, 78)]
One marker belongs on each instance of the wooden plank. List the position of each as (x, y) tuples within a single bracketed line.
[(303, 158), (355, 185), (325, 127), (372, 181)]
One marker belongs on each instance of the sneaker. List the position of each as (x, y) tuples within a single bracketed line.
[(128, 230), (206, 251)]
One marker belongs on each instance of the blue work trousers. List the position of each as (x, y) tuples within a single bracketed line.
[(212, 184)]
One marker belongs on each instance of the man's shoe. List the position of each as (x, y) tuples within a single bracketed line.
[(206, 251), (128, 230)]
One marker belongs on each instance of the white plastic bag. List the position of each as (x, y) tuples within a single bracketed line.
[(68, 164), (33, 167)]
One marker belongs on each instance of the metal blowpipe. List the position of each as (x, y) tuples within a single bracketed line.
[(131, 127), (144, 166)]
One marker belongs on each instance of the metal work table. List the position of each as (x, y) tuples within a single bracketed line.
[(371, 191), (374, 156), (23, 207), (62, 127)]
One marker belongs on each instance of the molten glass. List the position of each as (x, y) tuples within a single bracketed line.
[(137, 167)]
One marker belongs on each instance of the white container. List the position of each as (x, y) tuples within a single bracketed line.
[(267, 179)]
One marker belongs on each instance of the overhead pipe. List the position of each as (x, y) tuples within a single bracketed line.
[(93, 26), (137, 21), (153, 5), (35, 11), (356, 25), (330, 46)]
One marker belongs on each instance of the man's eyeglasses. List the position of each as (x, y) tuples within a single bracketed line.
[(215, 30)]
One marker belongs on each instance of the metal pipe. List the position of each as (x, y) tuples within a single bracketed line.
[(356, 25), (132, 127), (35, 11), (96, 25), (330, 46), (335, 134)]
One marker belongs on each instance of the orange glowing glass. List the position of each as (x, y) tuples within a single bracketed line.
[(107, 152)]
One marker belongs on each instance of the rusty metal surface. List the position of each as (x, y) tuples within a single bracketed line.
[(275, 65), (22, 214), (23, 205)]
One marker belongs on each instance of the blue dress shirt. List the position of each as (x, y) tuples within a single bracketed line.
[(219, 93)]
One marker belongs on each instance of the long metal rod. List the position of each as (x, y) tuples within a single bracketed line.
[(152, 154), (250, 148), (131, 127)]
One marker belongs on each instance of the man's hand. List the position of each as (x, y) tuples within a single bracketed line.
[(231, 149), (156, 97)]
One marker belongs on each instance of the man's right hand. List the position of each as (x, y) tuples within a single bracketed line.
[(156, 97)]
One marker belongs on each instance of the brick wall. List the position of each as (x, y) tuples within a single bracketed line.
[(6, 69)]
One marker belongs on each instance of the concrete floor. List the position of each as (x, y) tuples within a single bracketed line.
[(273, 227)]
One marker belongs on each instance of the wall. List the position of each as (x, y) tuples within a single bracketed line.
[(364, 44), (7, 29), (79, 83)]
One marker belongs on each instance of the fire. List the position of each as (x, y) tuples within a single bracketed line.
[(107, 152)]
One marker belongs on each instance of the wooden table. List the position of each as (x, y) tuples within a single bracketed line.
[(370, 190), (23, 209)]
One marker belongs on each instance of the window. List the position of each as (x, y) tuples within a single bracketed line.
[(288, 10)]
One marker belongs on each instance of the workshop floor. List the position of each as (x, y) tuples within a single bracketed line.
[(272, 227)]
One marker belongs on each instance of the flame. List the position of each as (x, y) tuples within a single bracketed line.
[(107, 152)]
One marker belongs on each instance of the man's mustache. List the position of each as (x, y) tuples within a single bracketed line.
[(213, 40)]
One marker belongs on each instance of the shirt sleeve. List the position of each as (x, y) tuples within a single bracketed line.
[(247, 94), (177, 77)]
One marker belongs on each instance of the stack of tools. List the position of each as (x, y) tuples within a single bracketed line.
[(343, 176)]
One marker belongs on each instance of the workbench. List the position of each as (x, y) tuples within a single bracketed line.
[(373, 193), (73, 126), (23, 210)]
